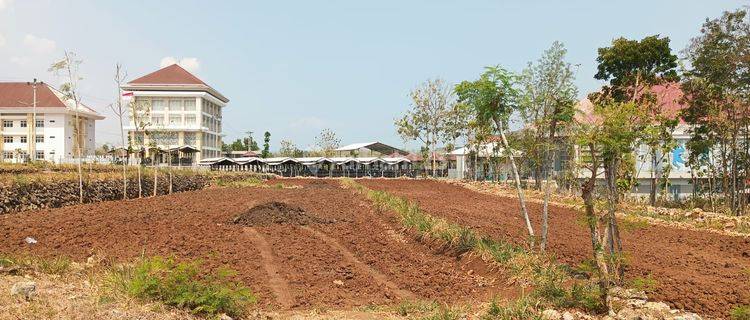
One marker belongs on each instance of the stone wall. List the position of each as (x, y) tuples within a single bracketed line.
[(28, 194)]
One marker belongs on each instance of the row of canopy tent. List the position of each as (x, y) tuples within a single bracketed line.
[(310, 165)]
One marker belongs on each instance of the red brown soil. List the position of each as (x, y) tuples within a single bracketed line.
[(703, 272), (360, 258), (275, 212)]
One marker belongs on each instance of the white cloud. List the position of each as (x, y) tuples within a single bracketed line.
[(39, 45), (21, 61), (190, 64), (2, 38), (5, 3), (307, 122)]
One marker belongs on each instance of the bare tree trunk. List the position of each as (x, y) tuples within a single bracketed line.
[(156, 176), (140, 183), (517, 178), (593, 221)]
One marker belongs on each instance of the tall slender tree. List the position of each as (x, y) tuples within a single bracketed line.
[(69, 67), (494, 97), (426, 121), (717, 95), (548, 96)]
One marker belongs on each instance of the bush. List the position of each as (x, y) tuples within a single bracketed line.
[(740, 312), (523, 308), (181, 284)]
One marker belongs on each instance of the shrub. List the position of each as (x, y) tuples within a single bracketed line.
[(524, 308), (181, 284), (740, 312), (647, 284)]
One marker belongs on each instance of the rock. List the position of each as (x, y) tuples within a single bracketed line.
[(551, 314), (688, 316), (338, 282), (224, 316), (567, 316), (30, 240), (25, 289)]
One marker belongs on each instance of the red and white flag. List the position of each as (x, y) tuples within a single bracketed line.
[(127, 94)]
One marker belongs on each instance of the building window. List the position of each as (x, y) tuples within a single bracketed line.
[(51, 137), (189, 119), (7, 124), (189, 105), (23, 139), (7, 155), (157, 120), (39, 155), (175, 119), (39, 139), (157, 105), (175, 105), (8, 139), (40, 123), (24, 124)]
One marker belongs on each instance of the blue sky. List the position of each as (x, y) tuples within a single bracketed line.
[(296, 67)]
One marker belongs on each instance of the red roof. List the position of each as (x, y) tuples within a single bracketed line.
[(21, 95), (667, 96), (173, 74)]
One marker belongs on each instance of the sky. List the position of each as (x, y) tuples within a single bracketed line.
[(294, 68)]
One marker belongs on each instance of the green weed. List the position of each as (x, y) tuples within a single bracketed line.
[(182, 285), (740, 312)]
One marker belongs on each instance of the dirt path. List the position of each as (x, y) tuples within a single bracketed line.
[(277, 284), (698, 271), (349, 256)]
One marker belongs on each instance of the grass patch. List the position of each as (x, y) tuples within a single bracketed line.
[(740, 312), (647, 284), (57, 265), (181, 285), (524, 308)]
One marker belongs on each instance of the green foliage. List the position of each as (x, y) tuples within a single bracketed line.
[(183, 285), (523, 308), (631, 65), (266, 145), (411, 308), (493, 96), (647, 284), (740, 312)]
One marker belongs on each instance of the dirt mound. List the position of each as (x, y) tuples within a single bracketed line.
[(276, 212)]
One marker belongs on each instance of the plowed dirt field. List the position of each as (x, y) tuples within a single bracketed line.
[(703, 272), (297, 248)]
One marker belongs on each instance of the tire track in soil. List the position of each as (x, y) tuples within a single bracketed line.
[(351, 258), (276, 282)]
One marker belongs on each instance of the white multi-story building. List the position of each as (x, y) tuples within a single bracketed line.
[(174, 110), (45, 132)]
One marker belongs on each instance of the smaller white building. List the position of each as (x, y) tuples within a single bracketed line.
[(47, 132)]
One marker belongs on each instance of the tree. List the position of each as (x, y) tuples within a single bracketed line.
[(494, 98), (140, 116), (604, 135), (327, 142), (717, 96), (120, 113), (266, 145), (431, 102), (547, 102), (289, 149), (632, 68), (69, 67)]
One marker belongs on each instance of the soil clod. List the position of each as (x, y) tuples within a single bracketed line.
[(276, 212)]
